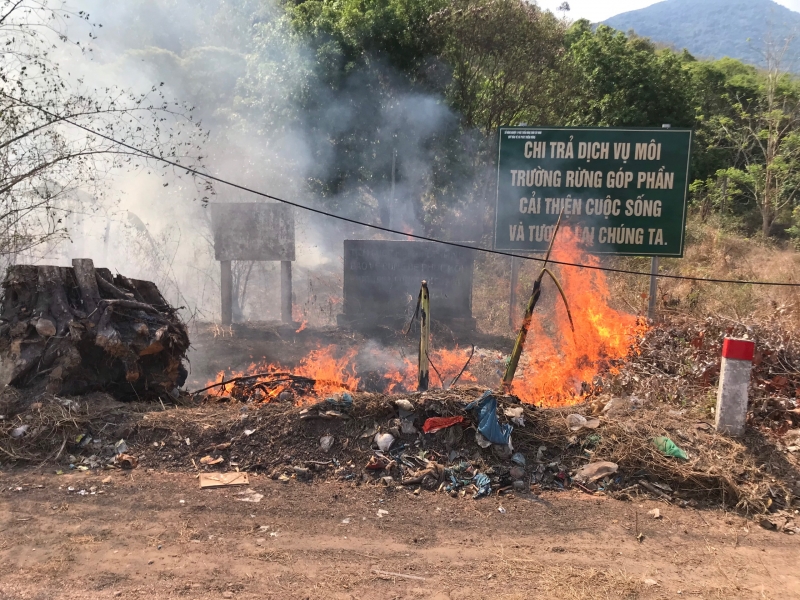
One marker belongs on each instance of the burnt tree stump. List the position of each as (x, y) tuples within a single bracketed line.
[(80, 329)]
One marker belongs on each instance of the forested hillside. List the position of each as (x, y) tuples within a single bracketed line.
[(503, 62), (717, 28)]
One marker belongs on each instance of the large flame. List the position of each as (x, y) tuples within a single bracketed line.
[(331, 371), (555, 364)]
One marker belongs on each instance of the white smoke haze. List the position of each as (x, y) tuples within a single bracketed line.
[(238, 66)]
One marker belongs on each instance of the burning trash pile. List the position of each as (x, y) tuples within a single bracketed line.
[(80, 329)]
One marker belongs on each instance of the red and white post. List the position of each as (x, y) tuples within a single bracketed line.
[(734, 381)]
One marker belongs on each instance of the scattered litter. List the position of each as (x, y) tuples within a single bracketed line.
[(407, 427), (126, 461), (302, 473), (326, 442), (594, 471), (20, 431), (341, 402), (382, 513), (250, 496), (668, 448), (484, 485), (120, 447), (390, 575), (384, 441), (655, 513), (404, 404), (435, 424), (576, 422), (370, 431), (488, 425), (346, 521), (210, 480), (377, 463), (518, 459), (481, 441), (249, 432), (208, 460), (501, 510), (515, 413)]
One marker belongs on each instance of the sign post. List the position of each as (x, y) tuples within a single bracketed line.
[(253, 231), (622, 191)]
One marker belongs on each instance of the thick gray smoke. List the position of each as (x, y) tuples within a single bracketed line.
[(245, 75)]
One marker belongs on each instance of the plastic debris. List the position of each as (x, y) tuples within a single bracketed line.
[(120, 447), (668, 448), (341, 402), (515, 413), (594, 471), (655, 513), (435, 424), (326, 442), (501, 510), (407, 427), (404, 404), (484, 485), (481, 441), (377, 463), (518, 459), (488, 425), (382, 513), (384, 441), (249, 496), (19, 431)]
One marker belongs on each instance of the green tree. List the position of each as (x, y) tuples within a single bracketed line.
[(626, 81), (507, 60), (763, 131)]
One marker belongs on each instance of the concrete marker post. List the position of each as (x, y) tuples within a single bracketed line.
[(734, 381)]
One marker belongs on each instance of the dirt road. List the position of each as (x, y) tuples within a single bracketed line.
[(157, 535)]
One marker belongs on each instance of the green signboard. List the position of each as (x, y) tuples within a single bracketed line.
[(622, 191)]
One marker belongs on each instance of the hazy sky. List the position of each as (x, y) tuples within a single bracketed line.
[(599, 10)]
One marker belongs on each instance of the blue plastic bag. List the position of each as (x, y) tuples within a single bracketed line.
[(488, 425)]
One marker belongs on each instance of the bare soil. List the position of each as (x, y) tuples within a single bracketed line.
[(153, 534)]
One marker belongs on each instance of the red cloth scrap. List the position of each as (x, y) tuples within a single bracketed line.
[(435, 424)]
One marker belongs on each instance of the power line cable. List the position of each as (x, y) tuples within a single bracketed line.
[(424, 238)]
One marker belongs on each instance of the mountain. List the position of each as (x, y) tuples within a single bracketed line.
[(718, 28)]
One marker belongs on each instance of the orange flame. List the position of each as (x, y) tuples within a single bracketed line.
[(331, 374), (556, 364)]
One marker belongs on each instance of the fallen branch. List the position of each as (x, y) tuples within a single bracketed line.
[(464, 368)]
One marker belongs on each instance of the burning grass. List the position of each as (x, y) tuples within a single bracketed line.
[(559, 367), (328, 370)]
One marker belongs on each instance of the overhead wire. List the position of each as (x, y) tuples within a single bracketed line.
[(210, 177)]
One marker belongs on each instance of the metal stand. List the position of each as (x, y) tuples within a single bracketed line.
[(512, 297), (226, 287), (286, 291), (651, 306)]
